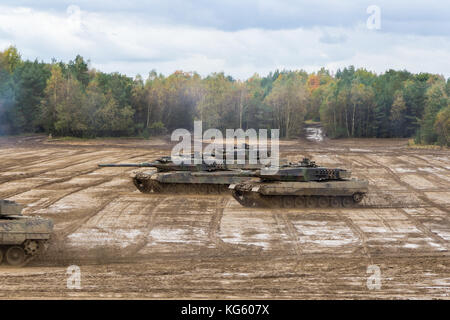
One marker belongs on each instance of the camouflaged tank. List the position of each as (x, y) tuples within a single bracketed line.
[(22, 238), (204, 178), (300, 185)]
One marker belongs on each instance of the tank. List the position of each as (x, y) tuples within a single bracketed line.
[(22, 238), (168, 177), (304, 184), (242, 149)]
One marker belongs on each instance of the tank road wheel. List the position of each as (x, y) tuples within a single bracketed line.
[(191, 189), (209, 189), (15, 256), (175, 188), (246, 202), (334, 202), (249, 203), (322, 202), (198, 189), (181, 188), (347, 202), (288, 202), (147, 186), (311, 202), (357, 197), (157, 188), (224, 188), (300, 202), (31, 247)]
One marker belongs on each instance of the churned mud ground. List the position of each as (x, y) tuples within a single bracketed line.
[(133, 245)]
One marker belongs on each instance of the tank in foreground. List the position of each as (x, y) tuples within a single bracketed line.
[(22, 238), (300, 185)]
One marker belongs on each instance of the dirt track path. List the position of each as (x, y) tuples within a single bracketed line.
[(132, 245)]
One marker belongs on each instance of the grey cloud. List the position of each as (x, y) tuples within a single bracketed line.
[(333, 39), (207, 37), (402, 16)]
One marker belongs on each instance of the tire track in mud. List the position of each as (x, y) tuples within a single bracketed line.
[(430, 175), (45, 184), (424, 160), (60, 180), (420, 194), (358, 232), (93, 184), (80, 222), (38, 173), (420, 226), (58, 242), (382, 194), (294, 235), (385, 223), (150, 223), (44, 159), (61, 167), (399, 209), (216, 219), (436, 180), (223, 203)]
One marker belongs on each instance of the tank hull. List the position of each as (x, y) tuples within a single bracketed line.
[(334, 193), (23, 238), (200, 182), (17, 229)]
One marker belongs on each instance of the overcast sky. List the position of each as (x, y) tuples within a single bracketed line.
[(237, 37)]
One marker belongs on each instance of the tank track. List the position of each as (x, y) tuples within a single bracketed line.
[(252, 199), (23, 254), (153, 186)]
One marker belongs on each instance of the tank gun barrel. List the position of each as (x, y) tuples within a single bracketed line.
[(133, 165), (170, 166)]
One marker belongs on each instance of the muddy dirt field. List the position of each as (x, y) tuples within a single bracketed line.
[(133, 245)]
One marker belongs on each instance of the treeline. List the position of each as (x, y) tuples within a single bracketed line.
[(74, 100)]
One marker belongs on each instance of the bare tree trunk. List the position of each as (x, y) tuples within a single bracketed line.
[(353, 120), (148, 113), (346, 121), (240, 110), (287, 119), (334, 119), (54, 107), (367, 121)]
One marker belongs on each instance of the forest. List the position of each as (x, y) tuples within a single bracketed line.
[(72, 99)]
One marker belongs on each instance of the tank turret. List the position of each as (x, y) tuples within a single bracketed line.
[(303, 171), (244, 149), (10, 208), (165, 164)]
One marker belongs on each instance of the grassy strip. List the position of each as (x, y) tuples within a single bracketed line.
[(412, 144)]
